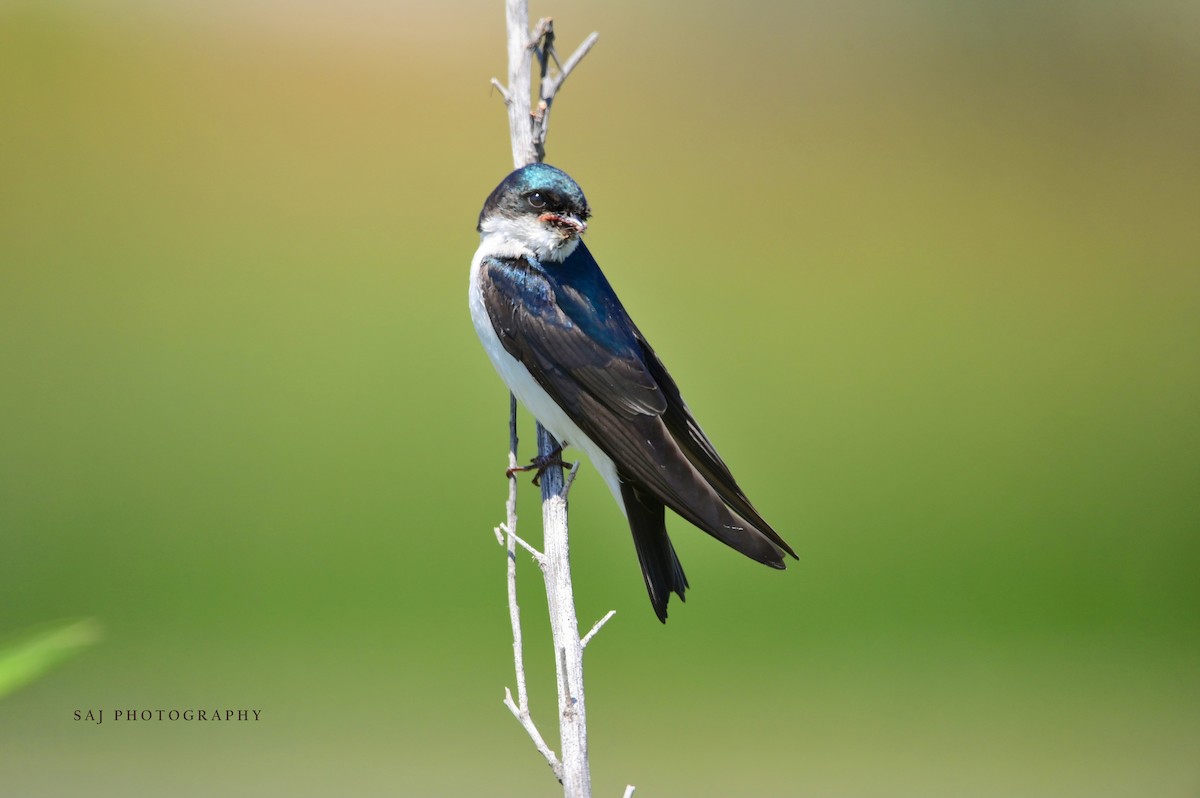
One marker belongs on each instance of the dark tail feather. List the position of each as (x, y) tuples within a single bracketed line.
[(660, 566)]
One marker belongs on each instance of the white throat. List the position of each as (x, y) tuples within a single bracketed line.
[(515, 236)]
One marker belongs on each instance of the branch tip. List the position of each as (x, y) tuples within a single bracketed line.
[(570, 480), (503, 91), (587, 638), (543, 28), (583, 49)]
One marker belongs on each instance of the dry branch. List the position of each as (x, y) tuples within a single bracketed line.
[(528, 127)]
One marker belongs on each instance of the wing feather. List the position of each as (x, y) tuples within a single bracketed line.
[(565, 324)]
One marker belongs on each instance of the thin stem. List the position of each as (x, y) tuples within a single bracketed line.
[(520, 708)]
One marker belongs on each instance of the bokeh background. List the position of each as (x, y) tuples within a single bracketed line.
[(927, 272)]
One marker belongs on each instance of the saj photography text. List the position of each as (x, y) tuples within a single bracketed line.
[(190, 715)]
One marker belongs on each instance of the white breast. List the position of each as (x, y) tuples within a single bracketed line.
[(522, 383)]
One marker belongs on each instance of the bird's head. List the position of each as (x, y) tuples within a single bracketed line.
[(537, 209)]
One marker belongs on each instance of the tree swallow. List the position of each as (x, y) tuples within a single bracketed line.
[(563, 342)]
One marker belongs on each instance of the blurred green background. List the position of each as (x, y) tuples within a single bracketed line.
[(927, 273)]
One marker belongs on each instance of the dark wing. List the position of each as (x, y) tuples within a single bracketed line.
[(570, 349), (565, 324), (699, 449)]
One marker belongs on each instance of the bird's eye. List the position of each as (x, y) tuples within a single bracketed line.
[(536, 200)]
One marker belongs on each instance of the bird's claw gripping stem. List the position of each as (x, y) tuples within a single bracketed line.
[(540, 464)]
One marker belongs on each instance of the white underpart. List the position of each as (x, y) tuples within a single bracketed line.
[(505, 240)]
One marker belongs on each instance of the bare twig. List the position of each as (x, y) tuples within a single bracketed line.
[(572, 62), (521, 713), (538, 557), (587, 638), (529, 125), (570, 478), (551, 83), (543, 31), (503, 91)]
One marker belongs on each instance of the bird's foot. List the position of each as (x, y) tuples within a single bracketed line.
[(539, 464)]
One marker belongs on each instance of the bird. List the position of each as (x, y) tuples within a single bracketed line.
[(560, 338)]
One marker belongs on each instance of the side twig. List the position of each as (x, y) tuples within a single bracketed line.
[(587, 638), (550, 84)]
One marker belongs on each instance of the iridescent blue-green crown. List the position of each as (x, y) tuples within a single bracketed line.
[(556, 187)]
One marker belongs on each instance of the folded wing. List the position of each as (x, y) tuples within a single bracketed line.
[(565, 324)]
